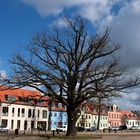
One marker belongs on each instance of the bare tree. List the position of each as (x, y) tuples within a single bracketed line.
[(66, 63), (124, 119)]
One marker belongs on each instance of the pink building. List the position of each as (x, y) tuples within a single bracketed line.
[(114, 116)]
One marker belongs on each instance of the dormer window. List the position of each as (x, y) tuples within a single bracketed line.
[(95, 110), (10, 98), (103, 111), (59, 105), (53, 105)]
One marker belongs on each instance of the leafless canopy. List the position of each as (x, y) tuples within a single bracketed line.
[(69, 63)]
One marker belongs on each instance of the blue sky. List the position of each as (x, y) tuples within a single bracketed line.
[(20, 19)]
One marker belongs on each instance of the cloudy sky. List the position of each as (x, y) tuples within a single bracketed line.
[(20, 19)]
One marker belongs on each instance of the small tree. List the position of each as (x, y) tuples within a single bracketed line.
[(124, 119), (65, 62)]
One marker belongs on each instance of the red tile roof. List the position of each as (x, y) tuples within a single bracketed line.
[(91, 108), (130, 115), (22, 93)]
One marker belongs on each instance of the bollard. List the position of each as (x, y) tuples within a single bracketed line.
[(57, 131), (109, 130), (53, 132)]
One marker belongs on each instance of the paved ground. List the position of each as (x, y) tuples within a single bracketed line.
[(99, 136), (45, 138), (120, 138), (103, 138)]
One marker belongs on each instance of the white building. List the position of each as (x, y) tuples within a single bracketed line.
[(103, 120), (22, 115), (89, 117), (129, 118)]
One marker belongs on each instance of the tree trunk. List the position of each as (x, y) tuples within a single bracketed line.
[(50, 113), (72, 118), (99, 114)]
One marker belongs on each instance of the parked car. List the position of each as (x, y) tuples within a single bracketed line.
[(62, 128), (114, 128), (134, 128), (80, 128), (92, 129), (122, 127), (4, 129)]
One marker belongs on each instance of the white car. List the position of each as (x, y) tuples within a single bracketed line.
[(3, 129), (114, 128), (134, 128), (62, 128)]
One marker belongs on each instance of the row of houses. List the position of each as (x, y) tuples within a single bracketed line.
[(19, 109)]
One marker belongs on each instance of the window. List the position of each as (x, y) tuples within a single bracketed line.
[(5, 111), (29, 113), (95, 117), (13, 111), (32, 124), (18, 124), (18, 112), (59, 105), (12, 124), (22, 112), (89, 124), (4, 122), (38, 113), (10, 98), (25, 125), (53, 105), (33, 115), (55, 114), (65, 123), (44, 114)]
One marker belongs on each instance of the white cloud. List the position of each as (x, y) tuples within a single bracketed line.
[(60, 23), (3, 74), (47, 7), (129, 101), (93, 10)]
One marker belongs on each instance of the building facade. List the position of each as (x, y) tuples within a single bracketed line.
[(114, 116), (24, 115), (58, 116), (129, 118), (89, 117)]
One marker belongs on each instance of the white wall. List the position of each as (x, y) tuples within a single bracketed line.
[(10, 117)]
